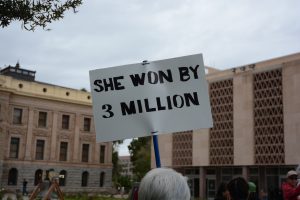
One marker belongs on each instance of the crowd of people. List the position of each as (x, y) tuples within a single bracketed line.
[(167, 184), (240, 189)]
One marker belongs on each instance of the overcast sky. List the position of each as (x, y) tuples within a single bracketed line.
[(106, 33)]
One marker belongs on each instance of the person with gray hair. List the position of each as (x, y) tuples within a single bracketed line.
[(164, 184)]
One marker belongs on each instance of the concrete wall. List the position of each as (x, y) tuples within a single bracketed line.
[(243, 126), (53, 92), (201, 147), (291, 106), (73, 180), (165, 149)]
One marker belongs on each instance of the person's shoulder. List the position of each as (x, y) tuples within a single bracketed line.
[(285, 185)]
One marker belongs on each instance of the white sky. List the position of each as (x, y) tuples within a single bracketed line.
[(107, 33), (123, 150)]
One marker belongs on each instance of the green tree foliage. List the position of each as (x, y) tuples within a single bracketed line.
[(140, 156), (124, 181), (117, 168), (35, 13)]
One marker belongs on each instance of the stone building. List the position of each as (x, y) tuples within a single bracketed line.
[(255, 134), (48, 129), (126, 164)]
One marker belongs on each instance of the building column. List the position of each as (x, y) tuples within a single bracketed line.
[(76, 145), (245, 172), (291, 111), (243, 126), (28, 147), (2, 131), (109, 152), (202, 183), (4, 124), (53, 148), (262, 178), (92, 151)]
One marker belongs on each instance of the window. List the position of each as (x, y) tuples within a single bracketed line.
[(63, 151), (87, 124), (65, 121), (229, 173), (102, 178), (84, 179), (39, 154), (62, 178), (42, 119), (17, 116), (14, 147), (38, 176), (85, 152), (102, 153), (12, 176)]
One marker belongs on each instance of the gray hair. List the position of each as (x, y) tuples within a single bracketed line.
[(164, 184)]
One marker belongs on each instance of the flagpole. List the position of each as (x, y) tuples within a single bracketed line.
[(156, 149), (154, 137)]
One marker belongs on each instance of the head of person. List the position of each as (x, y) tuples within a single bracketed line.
[(222, 192), (238, 189), (292, 177), (252, 191), (164, 184)]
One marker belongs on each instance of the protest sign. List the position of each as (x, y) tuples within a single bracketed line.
[(160, 96)]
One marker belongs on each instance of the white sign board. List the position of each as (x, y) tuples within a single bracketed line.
[(160, 96)]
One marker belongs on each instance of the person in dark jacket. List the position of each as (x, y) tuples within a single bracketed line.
[(238, 189), (289, 188), (222, 192), (24, 187), (252, 191)]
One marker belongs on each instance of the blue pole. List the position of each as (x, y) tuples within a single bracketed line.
[(154, 137), (156, 150)]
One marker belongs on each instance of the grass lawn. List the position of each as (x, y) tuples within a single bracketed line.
[(91, 198)]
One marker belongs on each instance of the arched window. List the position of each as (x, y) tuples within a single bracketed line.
[(12, 176), (62, 178), (84, 179), (102, 178), (38, 176)]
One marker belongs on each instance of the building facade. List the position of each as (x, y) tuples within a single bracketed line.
[(255, 133), (126, 164), (47, 129)]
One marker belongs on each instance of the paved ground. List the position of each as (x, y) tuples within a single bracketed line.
[(125, 196), (11, 196), (25, 197)]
